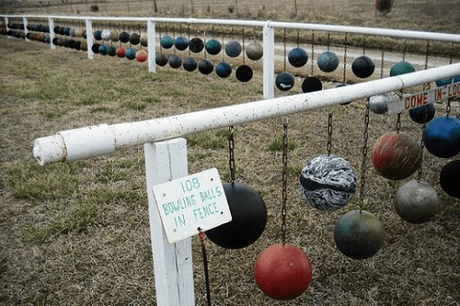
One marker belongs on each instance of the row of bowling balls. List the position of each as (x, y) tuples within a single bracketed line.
[(140, 55), (243, 73), (124, 37)]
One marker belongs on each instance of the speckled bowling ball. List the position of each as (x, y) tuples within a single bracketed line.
[(254, 51), (213, 46), (181, 43), (328, 61), (223, 69), (167, 42), (328, 182), (442, 136), (233, 48)]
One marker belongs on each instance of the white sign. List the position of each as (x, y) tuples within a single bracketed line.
[(192, 204), (411, 101)]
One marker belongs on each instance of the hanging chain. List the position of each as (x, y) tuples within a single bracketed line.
[(404, 51), (231, 155), (398, 123), (329, 134), (365, 149), (448, 107), (422, 141), (284, 46), (312, 51), (205, 265), (382, 59), (426, 86), (345, 58), (284, 177)]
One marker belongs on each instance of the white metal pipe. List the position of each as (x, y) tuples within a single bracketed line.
[(52, 34), (90, 141), (151, 42), (26, 31), (410, 34), (89, 38), (268, 61)]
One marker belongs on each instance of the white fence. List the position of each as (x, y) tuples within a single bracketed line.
[(166, 151)]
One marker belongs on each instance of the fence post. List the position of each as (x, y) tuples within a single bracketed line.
[(52, 34), (269, 61), (151, 45), (173, 269), (89, 38), (25, 21)]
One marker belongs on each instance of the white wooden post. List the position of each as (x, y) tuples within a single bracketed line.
[(269, 61), (89, 38), (52, 34), (151, 45), (26, 31), (6, 26), (173, 268)]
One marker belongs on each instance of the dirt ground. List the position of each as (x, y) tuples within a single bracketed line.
[(77, 233)]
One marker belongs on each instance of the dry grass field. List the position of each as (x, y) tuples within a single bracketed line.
[(77, 233)]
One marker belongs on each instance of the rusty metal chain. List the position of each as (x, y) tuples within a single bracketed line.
[(231, 154), (365, 151), (345, 58), (284, 177), (422, 142), (312, 51), (329, 134), (398, 123)]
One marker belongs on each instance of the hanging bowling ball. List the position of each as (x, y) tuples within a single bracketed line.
[(190, 64), (130, 53), (105, 35), (396, 156), (114, 36), (175, 61), (213, 46), (84, 46), (311, 84), (359, 234), (328, 61), (363, 67), (284, 81), (283, 271), (112, 50), (161, 59), (443, 82), (244, 73), (450, 178), (422, 114), (196, 45), (121, 52), (223, 69), (254, 51), (233, 48), (134, 38), (442, 136), (328, 182), (98, 35), (298, 57), (124, 37), (102, 50), (249, 218), (416, 202), (401, 68), (141, 55), (379, 104), (94, 47), (205, 66), (144, 40), (181, 43), (167, 42), (79, 32)]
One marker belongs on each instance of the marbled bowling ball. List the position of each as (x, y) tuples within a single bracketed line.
[(213, 46), (442, 136), (328, 182), (103, 49), (423, 114), (205, 66), (328, 61), (378, 104), (284, 81), (181, 43), (130, 53), (450, 178), (297, 57), (167, 42), (396, 156), (401, 68), (254, 51), (223, 69), (311, 84), (141, 55), (363, 67), (114, 36), (190, 64), (233, 48), (244, 73)]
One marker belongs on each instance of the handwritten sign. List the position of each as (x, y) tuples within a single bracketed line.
[(411, 101), (192, 204)]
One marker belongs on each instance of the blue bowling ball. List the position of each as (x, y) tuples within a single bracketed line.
[(167, 42), (130, 53), (213, 46), (284, 81), (233, 48), (297, 57), (442, 136), (328, 61), (190, 64), (181, 43), (423, 114), (223, 69)]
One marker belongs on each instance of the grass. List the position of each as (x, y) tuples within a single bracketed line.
[(77, 233)]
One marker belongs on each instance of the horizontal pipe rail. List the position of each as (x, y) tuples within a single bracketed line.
[(102, 139), (409, 34)]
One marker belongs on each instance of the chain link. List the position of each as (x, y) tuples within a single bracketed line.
[(365, 150), (345, 58), (448, 107), (398, 123), (329, 134), (231, 154), (422, 142), (284, 177), (312, 51)]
